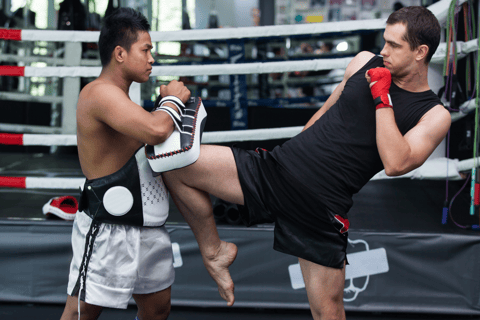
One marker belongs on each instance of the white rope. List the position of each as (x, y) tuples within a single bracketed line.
[(439, 9), (200, 70), (465, 109), (250, 135), (433, 169), (60, 35), (238, 68), (215, 34), (46, 59), (468, 164), (208, 137), (53, 183), (49, 140), (463, 48), (28, 128), (62, 72), (14, 96)]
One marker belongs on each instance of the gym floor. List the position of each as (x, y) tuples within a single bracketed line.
[(14, 311)]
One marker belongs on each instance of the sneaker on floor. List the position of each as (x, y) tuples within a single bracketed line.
[(63, 207)]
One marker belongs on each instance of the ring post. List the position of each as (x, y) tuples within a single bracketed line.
[(238, 87), (71, 88)]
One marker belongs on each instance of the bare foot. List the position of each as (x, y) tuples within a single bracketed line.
[(217, 267)]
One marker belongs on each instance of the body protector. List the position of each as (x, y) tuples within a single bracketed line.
[(134, 195)]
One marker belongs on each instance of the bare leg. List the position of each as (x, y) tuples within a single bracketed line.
[(213, 173), (87, 311), (324, 290), (153, 306)]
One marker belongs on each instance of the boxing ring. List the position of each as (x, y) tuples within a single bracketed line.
[(402, 257)]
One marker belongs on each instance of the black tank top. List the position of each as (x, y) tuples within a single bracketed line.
[(338, 154)]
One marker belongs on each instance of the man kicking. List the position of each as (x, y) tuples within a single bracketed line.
[(383, 115)]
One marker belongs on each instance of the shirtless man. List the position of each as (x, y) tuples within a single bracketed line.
[(120, 245), (305, 186)]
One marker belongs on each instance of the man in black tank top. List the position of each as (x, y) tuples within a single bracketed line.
[(305, 186)]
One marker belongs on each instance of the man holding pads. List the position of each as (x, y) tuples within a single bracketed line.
[(121, 247)]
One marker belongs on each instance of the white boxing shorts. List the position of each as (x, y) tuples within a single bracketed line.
[(111, 262)]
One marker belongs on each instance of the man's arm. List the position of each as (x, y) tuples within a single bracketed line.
[(356, 64), (401, 154), (113, 107)]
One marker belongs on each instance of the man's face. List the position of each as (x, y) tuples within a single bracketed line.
[(397, 55), (139, 58)]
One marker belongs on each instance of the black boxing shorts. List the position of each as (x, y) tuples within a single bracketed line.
[(304, 227)]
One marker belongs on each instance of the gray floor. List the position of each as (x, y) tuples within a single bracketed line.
[(49, 312)]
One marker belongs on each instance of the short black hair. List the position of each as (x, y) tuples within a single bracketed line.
[(422, 27), (120, 28)]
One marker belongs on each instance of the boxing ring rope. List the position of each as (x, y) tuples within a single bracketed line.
[(41, 183), (427, 171), (211, 137), (440, 9), (194, 70), (200, 34), (463, 48), (430, 170)]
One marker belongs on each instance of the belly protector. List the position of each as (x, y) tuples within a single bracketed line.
[(134, 195)]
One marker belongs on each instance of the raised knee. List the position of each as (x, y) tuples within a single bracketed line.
[(169, 175), (174, 177)]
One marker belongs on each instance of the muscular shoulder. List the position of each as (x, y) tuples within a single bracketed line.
[(439, 112), (98, 90), (98, 95), (438, 118), (357, 63)]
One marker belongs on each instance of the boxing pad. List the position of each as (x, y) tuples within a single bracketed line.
[(380, 90), (182, 148)]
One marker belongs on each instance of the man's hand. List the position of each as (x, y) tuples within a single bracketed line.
[(177, 89), (380, 80)]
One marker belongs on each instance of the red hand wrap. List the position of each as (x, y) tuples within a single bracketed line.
[(380, 90)]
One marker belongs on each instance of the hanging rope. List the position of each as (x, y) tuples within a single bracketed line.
[(447, 66), (477, 79), (474, 183), (452, 85)]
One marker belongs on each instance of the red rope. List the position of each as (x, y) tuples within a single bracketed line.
[(13, 182), (11, 34), (11, 139), (12, 71)]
